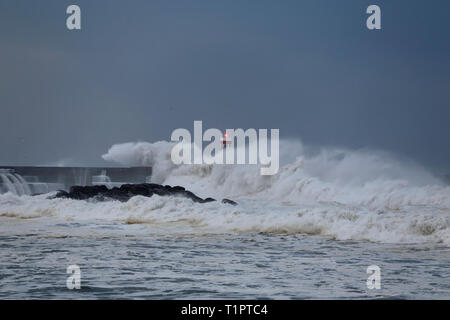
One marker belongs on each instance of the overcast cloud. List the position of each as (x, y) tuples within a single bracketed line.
[(140, 69)]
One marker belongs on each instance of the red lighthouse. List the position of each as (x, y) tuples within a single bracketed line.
[(225, 141)]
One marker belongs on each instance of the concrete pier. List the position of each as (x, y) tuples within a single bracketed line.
[(46, 179)]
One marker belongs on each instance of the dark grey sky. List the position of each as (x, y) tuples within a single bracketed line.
[(139, 69)]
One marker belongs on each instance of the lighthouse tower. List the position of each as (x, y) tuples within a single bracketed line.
[(225, 141)]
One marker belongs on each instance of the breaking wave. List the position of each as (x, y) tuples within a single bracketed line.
[(182, 216), (376, 180), (337, 193)]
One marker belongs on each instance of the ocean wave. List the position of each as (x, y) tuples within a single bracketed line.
[(179, 215), (372, 179), (337, 193)]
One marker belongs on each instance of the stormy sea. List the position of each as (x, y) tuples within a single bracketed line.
[(309, 232)]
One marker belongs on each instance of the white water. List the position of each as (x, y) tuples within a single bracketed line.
[(342, 194), (24, 184), (278, 242), (8, 184), (102, 179), (15, 183)]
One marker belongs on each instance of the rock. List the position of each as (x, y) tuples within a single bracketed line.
[(60, 194), (228, 201), (208, 200), (127, 191), (82, 193)]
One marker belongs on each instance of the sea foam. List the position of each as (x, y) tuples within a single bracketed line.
[(337, 193)]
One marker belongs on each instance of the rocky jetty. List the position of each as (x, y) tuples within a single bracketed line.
[(126, 191)]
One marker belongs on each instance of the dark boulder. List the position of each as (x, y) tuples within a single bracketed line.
[(127, 191), (228, 201), (208, 200), (82, 193)]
